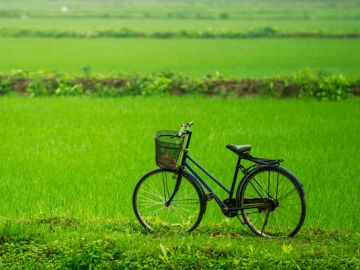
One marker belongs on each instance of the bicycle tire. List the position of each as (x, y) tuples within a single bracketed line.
[(273, 218), (184, 213)]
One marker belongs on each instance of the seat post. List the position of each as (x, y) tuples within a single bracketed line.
[(237, 168)]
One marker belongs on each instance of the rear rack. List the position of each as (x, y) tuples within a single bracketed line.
[(266, 161), (261, 161)]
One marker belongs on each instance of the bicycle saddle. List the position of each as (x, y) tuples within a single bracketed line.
[(239, 149)]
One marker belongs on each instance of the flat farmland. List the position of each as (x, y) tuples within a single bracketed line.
[(236, 58), (328, 25), (81, 157), (69, 165)]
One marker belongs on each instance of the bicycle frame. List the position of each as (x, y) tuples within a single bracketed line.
[(230, 192)]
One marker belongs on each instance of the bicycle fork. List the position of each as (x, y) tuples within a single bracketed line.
[(176, 188)]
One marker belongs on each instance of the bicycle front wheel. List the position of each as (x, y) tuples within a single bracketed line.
[(272, 202), (164, 201)]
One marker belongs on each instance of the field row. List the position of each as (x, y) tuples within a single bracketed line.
[(163, 25), (254, 58), (267, 32), (220, 9)]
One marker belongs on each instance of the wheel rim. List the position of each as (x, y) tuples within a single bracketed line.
[(282, 213), (180, 215)]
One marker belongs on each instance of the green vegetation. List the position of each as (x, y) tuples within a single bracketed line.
[(81, 157), (179, 19), (267, 32), (60, 243), (252, 58), (69, 165), (199, 9), (164, 24), (304, 84)]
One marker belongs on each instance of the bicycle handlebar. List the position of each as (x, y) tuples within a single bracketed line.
[(185, 128)]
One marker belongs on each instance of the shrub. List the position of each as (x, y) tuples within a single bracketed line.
[(305, 84), (42, 86), (69, 89), (209, 33), (5, 86)]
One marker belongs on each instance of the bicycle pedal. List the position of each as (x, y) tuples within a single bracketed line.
[(209, 196)]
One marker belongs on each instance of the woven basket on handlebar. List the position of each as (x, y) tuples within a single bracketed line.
[(168, 146)]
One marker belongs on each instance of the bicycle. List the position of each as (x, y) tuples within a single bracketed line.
[(269, 199)]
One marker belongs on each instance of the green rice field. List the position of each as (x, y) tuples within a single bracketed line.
[(166, 24), (220, 9), (235, 58), (82, 157), (69, 165)]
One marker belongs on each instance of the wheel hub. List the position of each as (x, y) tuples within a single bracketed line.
[(272, 204)]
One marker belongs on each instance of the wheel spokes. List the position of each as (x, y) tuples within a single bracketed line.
[(282, 209), (181, 213)]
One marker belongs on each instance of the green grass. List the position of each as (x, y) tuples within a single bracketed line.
[(60, 243), (166, 24), (236, 58), (81, 157), (68, 167), (184, 9)]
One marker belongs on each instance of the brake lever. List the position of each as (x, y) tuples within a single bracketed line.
[(180, 133), (184, 128)]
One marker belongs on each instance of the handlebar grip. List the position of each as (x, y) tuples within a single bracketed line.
[(184, 129)]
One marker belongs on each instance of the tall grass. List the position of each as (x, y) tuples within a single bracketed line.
[(81, 157)]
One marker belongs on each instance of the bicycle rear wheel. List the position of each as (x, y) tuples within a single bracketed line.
[(273, 202), (154, 210)]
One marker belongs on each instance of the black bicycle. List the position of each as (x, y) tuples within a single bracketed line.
[(269, 199)]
